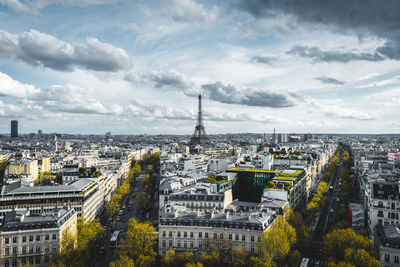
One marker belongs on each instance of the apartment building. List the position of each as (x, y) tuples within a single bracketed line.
[(201, 232), (33, 238), (83, 195)]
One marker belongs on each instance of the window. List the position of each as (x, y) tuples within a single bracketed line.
[(396, 259), (7, 240), (54, 248), (37, 249), (179, 234), (243, 238), (164, 233), (252, 238), (14, 263), (191, 244), (14, 239), (200, 234), (164, 243), (387, 257), (191, 234), (237, 237), (215, 235), (184, 234), (14, 250), (23, 260), (46, 249), (6, 263), (200, 244), (170, 234), (244, 247), (206, 235), (221, 236), (259, 238), (24, 250), (30, 238), (47, 237), (6, 251), (230, 236), (380, 213), (46, 259), (252, 248), (24, 238), (170, 243), (54, 236), (38, 238), (185, 244), (37, 259), (30, 249), (178, 243)]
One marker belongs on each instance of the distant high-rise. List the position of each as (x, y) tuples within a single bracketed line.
[(199, 135), (14, 129)]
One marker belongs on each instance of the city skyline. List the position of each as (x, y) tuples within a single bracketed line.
[(260, 65)]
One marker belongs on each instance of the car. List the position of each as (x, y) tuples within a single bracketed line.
[(123, 207), (118, 218), (331, 210), (337, 199)]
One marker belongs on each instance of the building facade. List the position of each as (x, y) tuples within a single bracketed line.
[(27, 238)]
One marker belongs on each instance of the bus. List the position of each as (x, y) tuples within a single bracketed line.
[(114, 239)]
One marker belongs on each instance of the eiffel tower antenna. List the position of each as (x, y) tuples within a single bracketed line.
[(199, 135)]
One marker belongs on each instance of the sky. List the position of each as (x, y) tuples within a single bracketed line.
[(136, 67)]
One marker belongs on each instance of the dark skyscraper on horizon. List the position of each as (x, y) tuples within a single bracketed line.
[(14, 129)]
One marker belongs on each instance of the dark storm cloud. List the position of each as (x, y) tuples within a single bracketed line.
[(230, 94), (318, 55), (262, 59), (360, 17), (39, 49), (329, 80)]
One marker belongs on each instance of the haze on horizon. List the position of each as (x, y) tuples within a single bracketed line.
[(133, 67)]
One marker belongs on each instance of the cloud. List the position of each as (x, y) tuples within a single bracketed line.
[(57, 98), (318, 55), (231, 94), (190, 10), (262, 59), (156, 111), (33, 6), (337, 112), (329, 80), (40, 49), (170, 79), (354, 16), (13, 88)]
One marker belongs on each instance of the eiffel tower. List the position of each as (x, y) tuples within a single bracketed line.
[(199, 135)]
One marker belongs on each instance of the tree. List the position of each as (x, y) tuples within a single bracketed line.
[(46, 178), (275, 243), (123, 261), (142, 198), (280, 223), (139, 243), (210, 259), (340, 264), (197, 264), (360, 258), (147, 181), (302, 232), (261, 261), (238, 257), (169, 258), (336, 242), (184, 258)]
